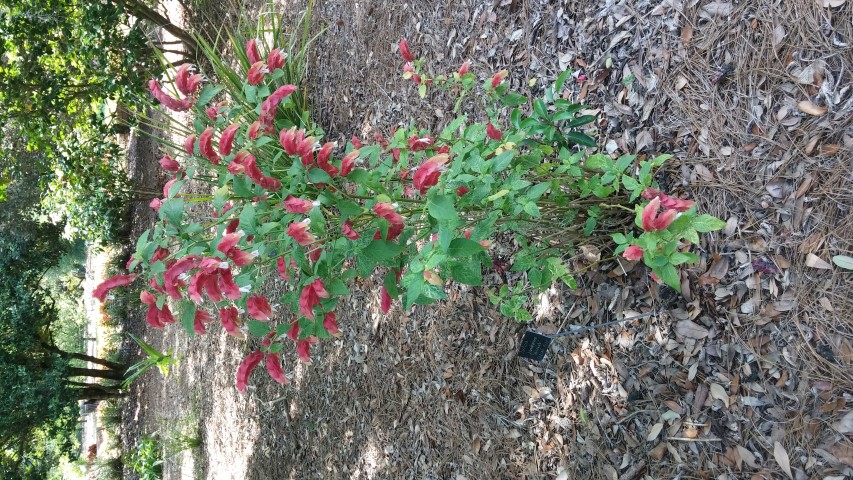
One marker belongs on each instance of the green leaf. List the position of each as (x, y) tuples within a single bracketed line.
[(599, 162), (207, 94), (618, 238), (561, 80), (540, 109), (462, 247), (677, 258), (669, 275), (441, 208), (251, 93), (513, 99), (172, 210), (843, 261), (531, 209), (536, 191), (248, 219), (381, 251), (317, 175), (188, 310), (347, 209), (582, 120), (467, 273), (502, 161), (707, 223), (258, 328), (475, 133), (580, 139), (515, 118), (630, 183), (337, 287), (422, 90)]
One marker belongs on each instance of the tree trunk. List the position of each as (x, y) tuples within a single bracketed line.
[(92, 385), (145, 12), (85, 358), (93, 393), (93, 372)]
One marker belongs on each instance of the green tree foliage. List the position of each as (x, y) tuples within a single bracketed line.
[(39, 381), (66, 67)]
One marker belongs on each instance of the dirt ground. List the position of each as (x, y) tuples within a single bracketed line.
[(746, 373)]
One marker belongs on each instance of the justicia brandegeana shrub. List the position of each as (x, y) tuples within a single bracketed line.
[(418, 208)]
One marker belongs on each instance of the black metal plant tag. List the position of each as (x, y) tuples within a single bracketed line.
[(534, 345)]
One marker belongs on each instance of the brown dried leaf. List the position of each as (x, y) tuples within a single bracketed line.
[(658, 452), (689, 329), (716, 273), (781, 456), (814, 261), (654, 431), (717, 9), (747, 456), (686, 34), (845, 425), (718, 392), (807, 106), (704, 173)]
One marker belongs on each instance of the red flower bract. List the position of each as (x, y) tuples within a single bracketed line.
[(299, 232), (281, 266), (189, 145), (186, 83), (227, 139), (395, 220), (310, 298), (464, 68), (323, 159), (385, 300), (331, 325), (205, 146), (493, 132), (166, 100), (303, 349), (169, 164), (498, 78), (252, 51), (227, 285), (198, 322), (259, 308), (634, 252), (275, 59), (274, 368), (417, 144), (228, 317), (427, 174), (256, 74), (348, 231), (229, 241), (666, 201), (246, 366), (654, 222), (116, 281), (297, 205), (405, 52), (348, 163)]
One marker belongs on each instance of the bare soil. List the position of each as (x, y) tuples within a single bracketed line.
[(746, 373)]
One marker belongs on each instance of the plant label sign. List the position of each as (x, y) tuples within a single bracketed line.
[(534, 345)]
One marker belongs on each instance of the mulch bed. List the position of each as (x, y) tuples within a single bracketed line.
[(744, 373)]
